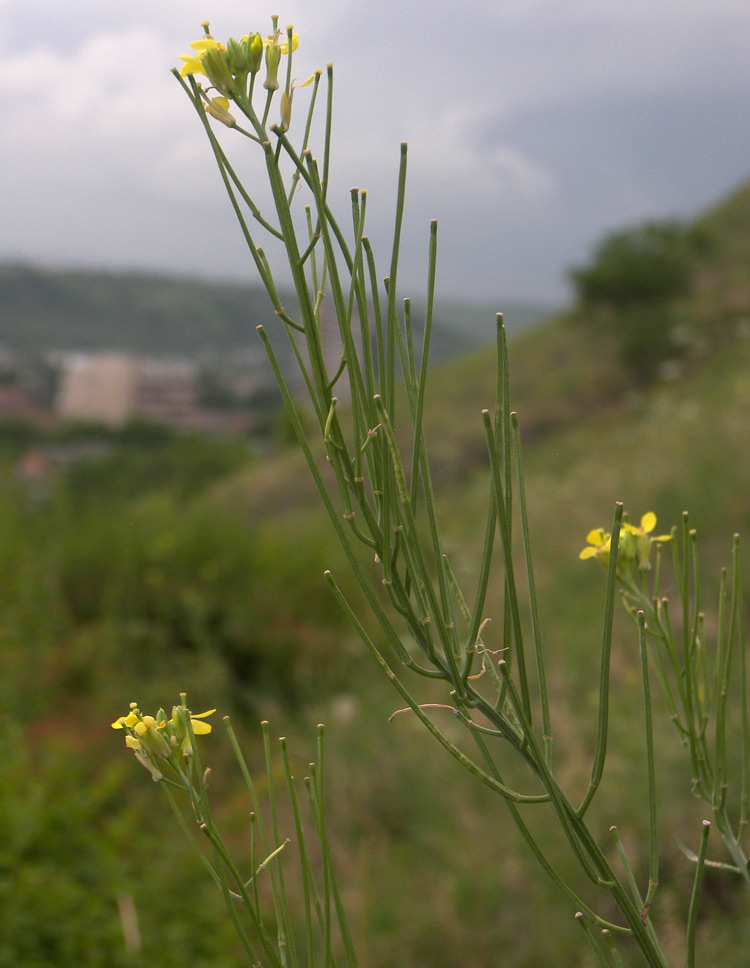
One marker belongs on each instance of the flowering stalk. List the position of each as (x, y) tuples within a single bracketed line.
[(168, 750), (694, 678), (380, 497)]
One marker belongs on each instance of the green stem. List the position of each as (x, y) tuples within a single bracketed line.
[(653, 873), (602, 731), (692, 922)]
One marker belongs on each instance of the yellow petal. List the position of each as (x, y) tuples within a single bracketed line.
[(192, 65), (648, 522), (199, 728), (588, 552), (133, 743), (130, 720), (271, 41), (596, 536), (662, 537), (207, 43)]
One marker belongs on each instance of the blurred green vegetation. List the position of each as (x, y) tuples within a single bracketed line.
[(142, 563), (650, 263), (648, 286)]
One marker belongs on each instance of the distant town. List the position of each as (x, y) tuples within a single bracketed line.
[(113, 388)]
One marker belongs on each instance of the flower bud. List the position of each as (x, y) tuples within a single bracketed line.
[(244, 56), (146, 762), (214, 63), (180, 719), (217, 107), (234, 56), (255, 52), (273, 59), (152, 741), (643, 551), (627, 545), (286, 111)]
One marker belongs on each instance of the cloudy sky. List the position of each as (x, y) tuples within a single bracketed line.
[(533, 125)]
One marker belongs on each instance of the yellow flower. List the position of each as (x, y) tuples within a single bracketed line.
[(156, 736), (643, 538), (599, 542), (156, 740), (227, 67), (634, 545), (134, 717), (194, 62)]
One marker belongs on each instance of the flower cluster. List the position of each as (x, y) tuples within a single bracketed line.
[(228, 67), (634, 545), (156, 740)]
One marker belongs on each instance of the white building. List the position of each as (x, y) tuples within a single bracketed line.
[(114, 387)]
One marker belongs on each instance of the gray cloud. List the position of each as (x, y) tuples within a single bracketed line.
[(533, 126)]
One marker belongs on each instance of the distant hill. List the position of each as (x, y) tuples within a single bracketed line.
[(55, 309), (44, 309)]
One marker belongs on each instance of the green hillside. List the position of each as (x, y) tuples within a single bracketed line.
[(176, 564), (566, 378), (723, 285)]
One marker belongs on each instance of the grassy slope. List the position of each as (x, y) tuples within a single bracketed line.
[(723, 285)]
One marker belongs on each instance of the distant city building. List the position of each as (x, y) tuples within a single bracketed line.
[(166, 390), (115, 387)]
